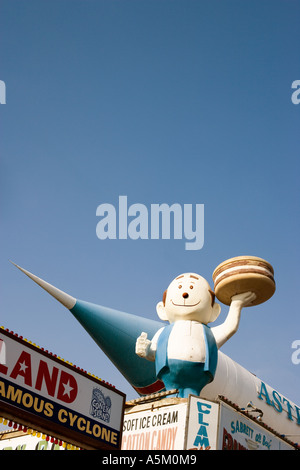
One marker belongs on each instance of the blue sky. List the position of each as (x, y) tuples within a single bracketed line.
[(182, 101)]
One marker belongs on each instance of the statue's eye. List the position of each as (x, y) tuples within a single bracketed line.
[(180, 286), (191, 287)]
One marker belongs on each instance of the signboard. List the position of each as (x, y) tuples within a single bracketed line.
[(237, 432), (156, 428), (195, 424), (186, 424), (202, 426), (46, 393)]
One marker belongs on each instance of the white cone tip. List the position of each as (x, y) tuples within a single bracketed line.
[(67, 300)]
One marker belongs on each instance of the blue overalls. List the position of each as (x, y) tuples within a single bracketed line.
[(188, 377)]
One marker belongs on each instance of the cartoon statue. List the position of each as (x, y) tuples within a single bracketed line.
[(187, 360), (186, 351)]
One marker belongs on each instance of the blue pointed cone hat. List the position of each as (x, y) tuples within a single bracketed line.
[(115, 333)]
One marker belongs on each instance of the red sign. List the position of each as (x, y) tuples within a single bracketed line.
[(41, 391)]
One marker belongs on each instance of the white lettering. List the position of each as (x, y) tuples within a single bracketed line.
[(140, 221), (123, 217), (296, 354), (118, 460), (108, 221), (296, 95), (166, 222), (198, 234), (2, 92), (165, 211)]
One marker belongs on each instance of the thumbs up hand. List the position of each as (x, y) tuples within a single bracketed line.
[(142, 345)]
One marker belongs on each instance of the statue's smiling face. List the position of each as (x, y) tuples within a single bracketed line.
[(189, 297), (184, 291)]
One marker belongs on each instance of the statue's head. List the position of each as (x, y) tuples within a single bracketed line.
[(188, 297)]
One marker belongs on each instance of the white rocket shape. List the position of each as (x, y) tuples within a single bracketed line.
[(67, 300)]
